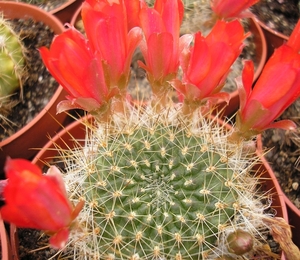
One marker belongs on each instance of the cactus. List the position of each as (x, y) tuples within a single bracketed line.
[(158, 186), (12, 60)]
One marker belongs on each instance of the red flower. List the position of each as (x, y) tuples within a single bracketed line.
[(133, 8), (206, 64), (232, 8), (105, 24), (34, 200), (94, 70), (160, 47), (73, 64), (276, 89)]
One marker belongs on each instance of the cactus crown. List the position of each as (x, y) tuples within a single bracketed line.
[(158, 186)]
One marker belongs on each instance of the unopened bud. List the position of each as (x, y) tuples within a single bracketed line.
[(239, 242)]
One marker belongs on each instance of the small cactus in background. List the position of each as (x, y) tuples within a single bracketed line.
[(12, 60), (12, 69)]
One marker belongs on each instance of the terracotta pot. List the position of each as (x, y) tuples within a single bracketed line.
[(5, 246), (66, 11), (274, 39), (34, 134), (261, 54), (293, 211)]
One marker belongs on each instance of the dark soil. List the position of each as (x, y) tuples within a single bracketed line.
[(39, 85), (279, 15), (44, 4), (284, 155), (34, 245)]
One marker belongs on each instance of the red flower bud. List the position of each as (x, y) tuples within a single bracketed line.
[(207, 63), (239, 242)]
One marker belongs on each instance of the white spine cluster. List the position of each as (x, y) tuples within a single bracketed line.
[(113, 139)]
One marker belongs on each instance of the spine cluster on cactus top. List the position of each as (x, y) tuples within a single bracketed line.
[(12, 59), (158, 187)]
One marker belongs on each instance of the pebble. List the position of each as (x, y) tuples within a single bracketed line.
[(295, 185), (277, 174)]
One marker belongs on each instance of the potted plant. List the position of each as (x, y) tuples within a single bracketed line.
[(6, 252), (161, 180), (25, 133)]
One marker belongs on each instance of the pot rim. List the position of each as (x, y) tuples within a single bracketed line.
[(267, 28), (28, 11)]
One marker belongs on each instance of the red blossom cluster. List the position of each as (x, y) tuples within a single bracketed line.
[(97, 68)]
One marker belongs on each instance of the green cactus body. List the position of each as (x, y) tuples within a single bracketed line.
[(159, 183), (157, 188), (12, 61)]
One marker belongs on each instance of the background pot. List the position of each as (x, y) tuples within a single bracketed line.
[(34, 134), (66, 11), (273, 39), (5, 246)]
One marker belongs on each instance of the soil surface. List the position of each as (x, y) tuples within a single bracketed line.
[(279, 15), (34, 245), (39, 86)]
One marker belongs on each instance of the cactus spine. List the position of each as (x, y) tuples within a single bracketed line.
[(158, 186), (12, 60)]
